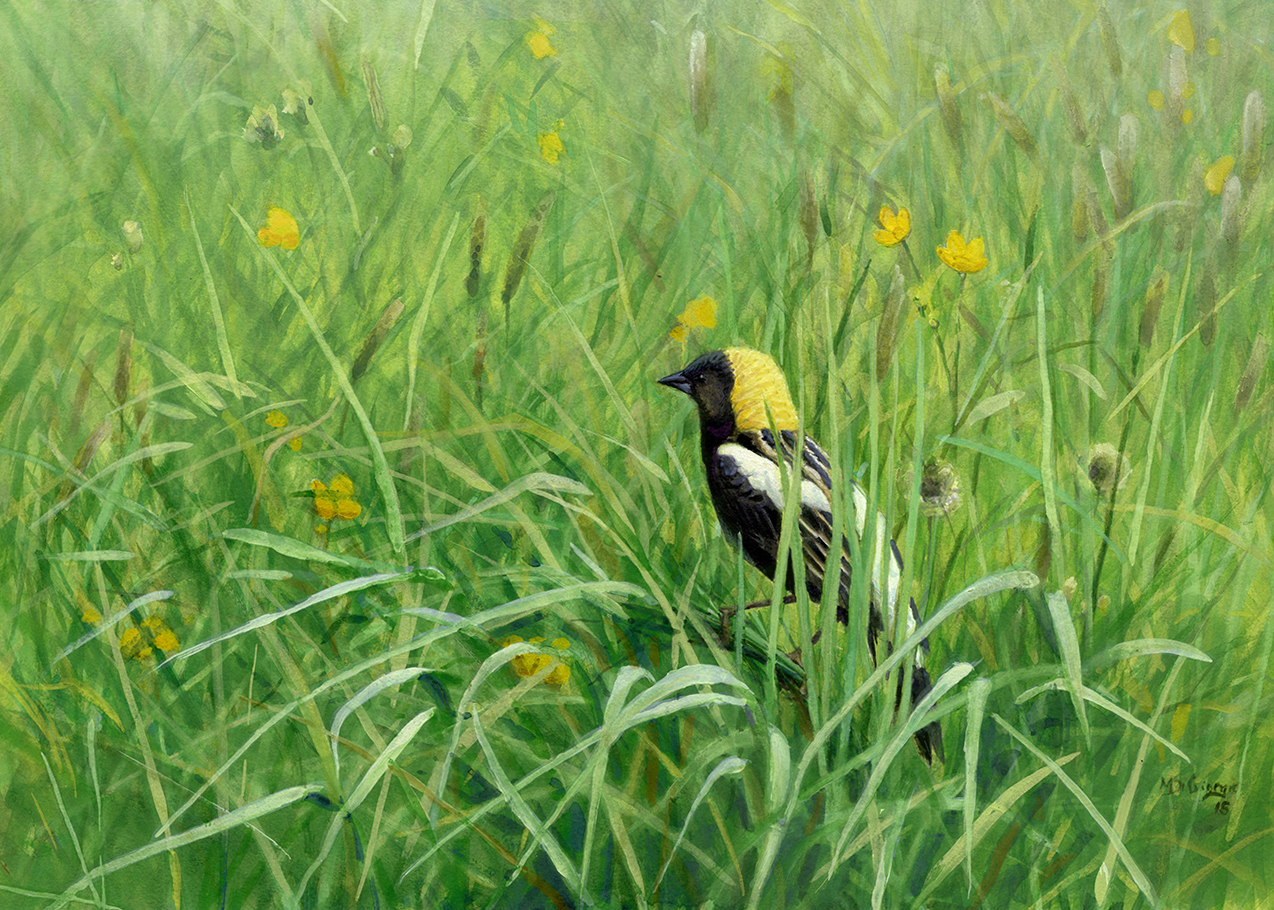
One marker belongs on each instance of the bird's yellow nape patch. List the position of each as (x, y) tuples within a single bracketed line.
[(758, 382)]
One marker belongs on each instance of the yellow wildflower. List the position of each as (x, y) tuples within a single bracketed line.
[(276, 419), (538, 40), (1214, 47), (1214, 176), (280, 230), (550, 146), (894, 228), (699, 313), (159, 632), (1155, 98), (527, 665), (90, 615), (337, 500), (295, 444), (133, 646), (962, 257), (1181, 30)]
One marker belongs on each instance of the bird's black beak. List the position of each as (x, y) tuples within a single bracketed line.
[(677, 381)]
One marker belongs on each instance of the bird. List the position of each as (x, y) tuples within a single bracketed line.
[(740, 393)]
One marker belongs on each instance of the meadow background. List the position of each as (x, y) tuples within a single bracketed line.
[(361, 562)]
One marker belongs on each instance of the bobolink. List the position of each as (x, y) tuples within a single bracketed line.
[(738, 391)]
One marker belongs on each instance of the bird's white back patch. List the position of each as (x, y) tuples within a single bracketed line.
[(765, 478)]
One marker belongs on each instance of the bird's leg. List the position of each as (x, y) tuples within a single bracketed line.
[(728, 611)]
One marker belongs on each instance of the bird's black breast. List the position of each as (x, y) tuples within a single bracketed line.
[(749, 517)]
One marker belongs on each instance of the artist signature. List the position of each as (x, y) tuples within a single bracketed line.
[(1175, 786)]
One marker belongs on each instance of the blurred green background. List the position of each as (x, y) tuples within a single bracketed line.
[(357, 560)]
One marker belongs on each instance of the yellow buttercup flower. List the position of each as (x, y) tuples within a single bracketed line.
[(551, 146), (276, 419), (133, 646), (894, 228), (337, 500), (1214, 176), (161, 634), (964, 258), (280, 230), (538, 40), (139, 644), (1181, 30), (527, 665), (699, 313)]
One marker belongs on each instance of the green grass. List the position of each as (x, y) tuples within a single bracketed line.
[(336, 720)]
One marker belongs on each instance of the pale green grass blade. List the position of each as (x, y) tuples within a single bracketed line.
[(363, 696), (1072, 665), (979, 689)]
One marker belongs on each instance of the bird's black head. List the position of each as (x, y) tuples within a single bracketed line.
[(709, 381)]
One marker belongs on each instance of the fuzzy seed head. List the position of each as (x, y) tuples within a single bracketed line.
[(1231, 214), (1205, 302), (374, 99), (1253, 135), (1110, 41), (1255, 365), (1014, 126), (1127, 145), (699, 79), (1120, 191), (1154, 303), (939, 488), (1107, 469), (951, 119), (1080, 224), (1176, 84), (133, 236)]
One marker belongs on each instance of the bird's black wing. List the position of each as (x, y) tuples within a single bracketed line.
[(741, 484)]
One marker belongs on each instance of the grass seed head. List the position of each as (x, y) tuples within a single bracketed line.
[(699, 79), (1253, 135), (1110, 41), (123, 365), (1155, 294), (1117, 183), (374, 99), (1255, 365), (1231, 212), (1127, 148), (952, 122)]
